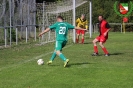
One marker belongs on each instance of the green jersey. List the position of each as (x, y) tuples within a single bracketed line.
[(61, 29)]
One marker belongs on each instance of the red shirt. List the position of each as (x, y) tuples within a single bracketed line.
[(103, 27)]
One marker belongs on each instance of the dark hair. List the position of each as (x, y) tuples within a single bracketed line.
[(60, 17), (101, 16)]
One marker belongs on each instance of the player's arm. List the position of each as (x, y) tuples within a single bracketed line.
[(73, 27), (78, 28), (108, 29), (86, 24), (45, 31), (48, 29)]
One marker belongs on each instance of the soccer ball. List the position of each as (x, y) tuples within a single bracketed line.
[(40, 62)]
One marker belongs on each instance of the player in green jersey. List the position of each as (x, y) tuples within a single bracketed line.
[(61, 28)]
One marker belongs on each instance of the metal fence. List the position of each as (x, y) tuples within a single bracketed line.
[(17, 21), (116, 27)]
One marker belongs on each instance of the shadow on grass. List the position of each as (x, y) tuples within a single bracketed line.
[(116, 53), (52, 65), (83, 63), (88, 43), (83, 44), (112, 54)]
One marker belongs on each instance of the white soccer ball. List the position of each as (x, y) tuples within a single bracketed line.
[(40, 62)]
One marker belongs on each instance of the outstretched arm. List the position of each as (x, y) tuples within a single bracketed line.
[(43, 32), (78, 28)]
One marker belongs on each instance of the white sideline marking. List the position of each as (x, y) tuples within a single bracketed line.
[(34, 58)]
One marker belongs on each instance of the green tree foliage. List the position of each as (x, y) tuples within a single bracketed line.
[(106, 8)]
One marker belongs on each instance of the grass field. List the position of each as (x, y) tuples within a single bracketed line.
[(18, 67)]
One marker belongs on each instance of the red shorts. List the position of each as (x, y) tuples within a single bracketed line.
[(80, 31), (101, 39)]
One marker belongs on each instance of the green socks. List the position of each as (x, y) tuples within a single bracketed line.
[(62, 57), (53, 56)]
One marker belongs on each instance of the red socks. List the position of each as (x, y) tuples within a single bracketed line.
[(82, 41), (95, 49), (105, 50), (77, 40)]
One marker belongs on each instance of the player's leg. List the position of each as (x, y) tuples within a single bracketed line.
[(62, 57), (102, 41), (60, 45), (83, 34), (104, 49), (77, 36), (95, 46), (58, 52), (52, 58), (53, 55)]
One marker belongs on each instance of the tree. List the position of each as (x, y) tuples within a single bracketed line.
[(106, 8)]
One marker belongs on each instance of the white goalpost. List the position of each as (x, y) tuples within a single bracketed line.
[(69, 9), (90, 24), (74, 35)]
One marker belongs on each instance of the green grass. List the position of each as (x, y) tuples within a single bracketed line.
[(18, 67)]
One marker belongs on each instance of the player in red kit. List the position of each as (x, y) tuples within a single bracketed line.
[(104, 28)]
